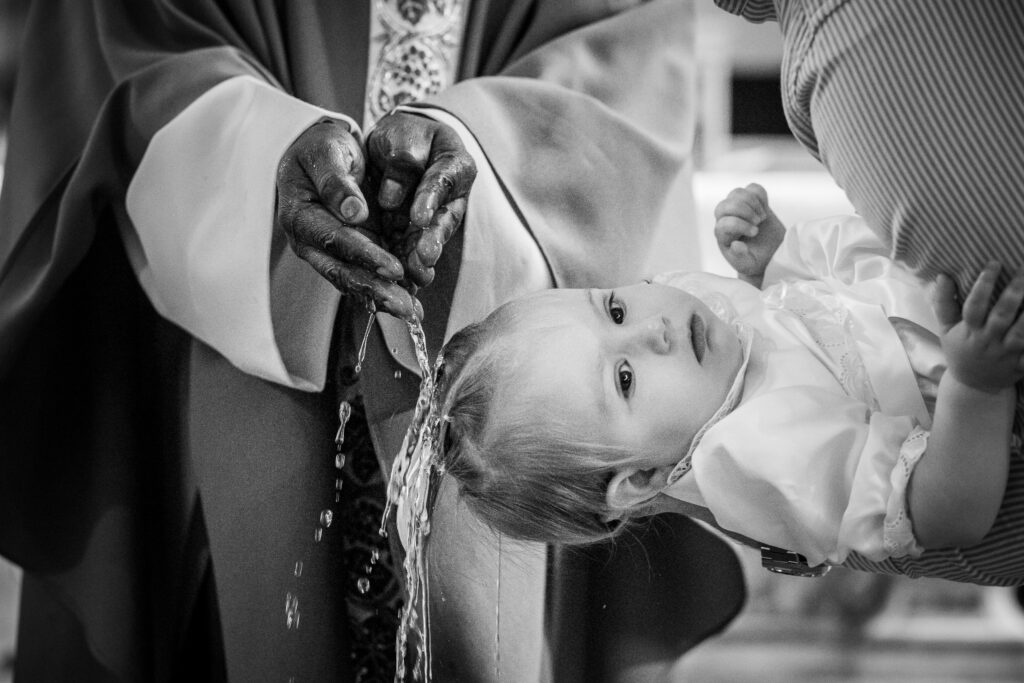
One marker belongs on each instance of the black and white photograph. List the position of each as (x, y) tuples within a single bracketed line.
[(511, 341)]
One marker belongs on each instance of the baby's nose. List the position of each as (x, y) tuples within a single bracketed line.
[(655, 334)]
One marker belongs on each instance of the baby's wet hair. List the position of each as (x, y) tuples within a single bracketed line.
[(523, 470)]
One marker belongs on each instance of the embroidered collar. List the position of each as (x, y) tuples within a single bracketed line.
[(732, 399)]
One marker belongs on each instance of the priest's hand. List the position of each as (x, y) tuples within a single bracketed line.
[(422, 175), (323, 212)]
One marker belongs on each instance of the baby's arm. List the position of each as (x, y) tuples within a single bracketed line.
[(958, 486), (748, 232)]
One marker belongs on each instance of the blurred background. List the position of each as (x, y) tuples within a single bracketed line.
[(846, 626)]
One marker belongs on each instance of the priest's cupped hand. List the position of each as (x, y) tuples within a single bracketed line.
[(420, 174), (323, 211), (417, 174)]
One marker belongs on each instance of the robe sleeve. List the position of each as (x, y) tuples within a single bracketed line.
[(812, 470), (214, 266), (586, 136), (118, 114), (590, 134)]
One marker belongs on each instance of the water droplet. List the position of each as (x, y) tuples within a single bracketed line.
[(366, 338), (338, 483), (318, 534), (337, 497), (375, 556), (339, 461), (368, 569), (398, 374), (344, 413), (291, 611), (298, 568), (326, 517), (363, 585)]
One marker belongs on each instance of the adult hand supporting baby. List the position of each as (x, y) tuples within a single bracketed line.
[(323, 211), (422, 175), (958, 486)]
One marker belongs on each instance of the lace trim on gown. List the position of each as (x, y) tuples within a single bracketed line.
[(898, 531)]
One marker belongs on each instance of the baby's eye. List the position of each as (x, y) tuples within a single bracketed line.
[(625, 379), (615, 309)]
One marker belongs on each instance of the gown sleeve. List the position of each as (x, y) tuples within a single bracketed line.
[(846, 257), (842, 248), (812, 470)]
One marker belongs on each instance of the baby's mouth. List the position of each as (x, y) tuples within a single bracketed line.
[(697, 337)]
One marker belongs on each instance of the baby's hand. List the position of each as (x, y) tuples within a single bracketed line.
[(985, 345), (747, 231)]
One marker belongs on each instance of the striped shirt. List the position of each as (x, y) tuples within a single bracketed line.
[(916, 108)]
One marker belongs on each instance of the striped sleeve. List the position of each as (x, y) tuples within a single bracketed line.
[(755, 11), (916, 108)]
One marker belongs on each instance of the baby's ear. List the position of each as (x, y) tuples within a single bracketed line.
[(631, 487)]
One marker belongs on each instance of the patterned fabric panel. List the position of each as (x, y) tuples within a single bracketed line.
[(414, 50)]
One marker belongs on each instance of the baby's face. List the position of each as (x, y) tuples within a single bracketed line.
[(643, 367)]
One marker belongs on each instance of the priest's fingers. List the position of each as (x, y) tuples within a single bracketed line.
[(419, 267), (351, 279), (449, 176), (325, 164), (313, 227)]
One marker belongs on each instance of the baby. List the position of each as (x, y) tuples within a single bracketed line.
[(821, 403)]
